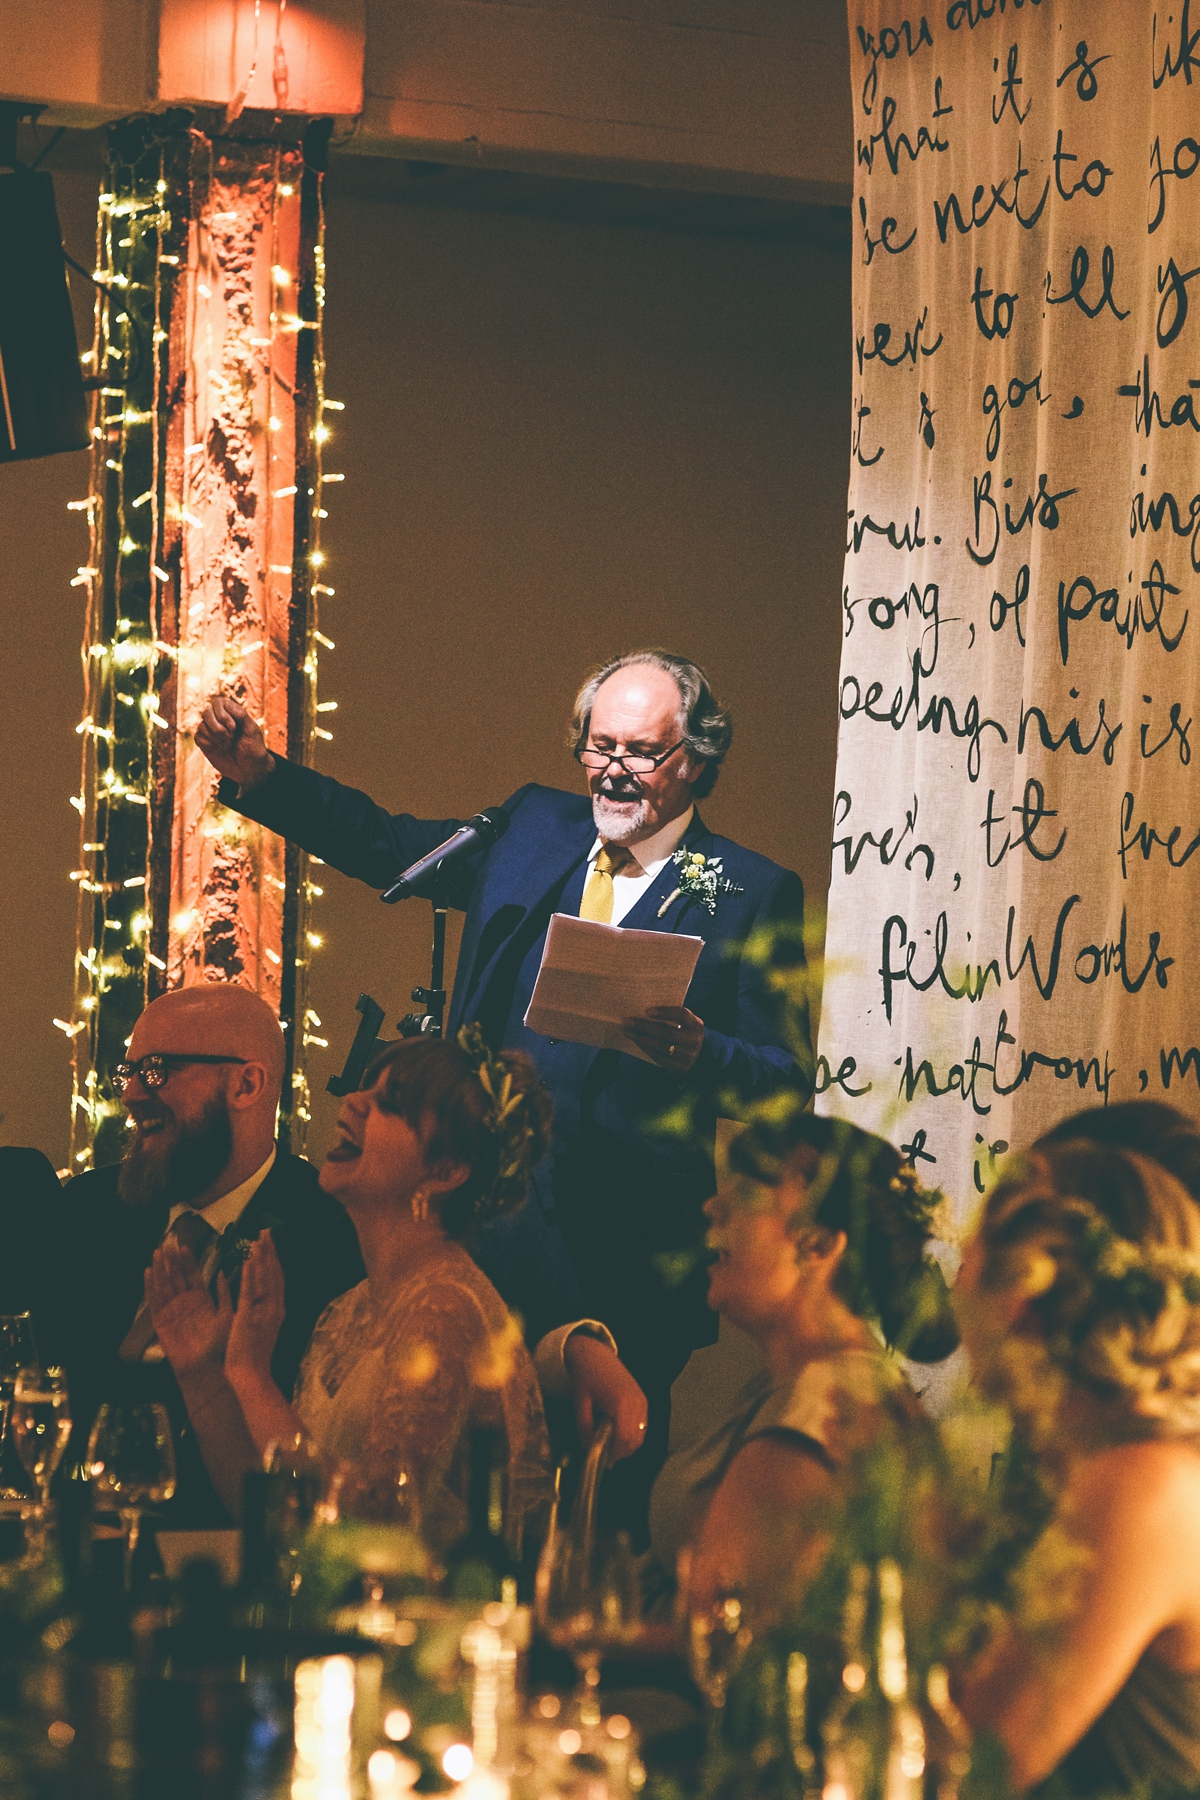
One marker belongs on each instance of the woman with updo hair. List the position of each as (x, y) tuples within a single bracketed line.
[(820, 1256), (1079, 1300), (400, 1370)]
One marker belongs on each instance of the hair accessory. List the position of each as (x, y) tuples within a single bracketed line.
[(492, 1072), (919, 1202), (509, 1120), (1121, 1318), (907, 1181)]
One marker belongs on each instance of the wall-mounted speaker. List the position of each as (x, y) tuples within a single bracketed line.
[(42, 405)]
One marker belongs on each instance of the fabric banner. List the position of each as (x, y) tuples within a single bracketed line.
[(1012, 921)]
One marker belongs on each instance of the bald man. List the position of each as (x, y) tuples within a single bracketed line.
[(201, 1085)]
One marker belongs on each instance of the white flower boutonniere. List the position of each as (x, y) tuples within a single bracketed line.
[(702, 876)]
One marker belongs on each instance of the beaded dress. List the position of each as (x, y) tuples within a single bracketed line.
[(395, 1384)]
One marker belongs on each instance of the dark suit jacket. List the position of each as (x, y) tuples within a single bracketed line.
[(621, 1192), (31, 1209), (105, 1248)]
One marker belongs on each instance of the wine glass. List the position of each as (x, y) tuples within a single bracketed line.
[(40, 1421), (130, 1455), (17, 1351), (586, 1602), (717, 1640)]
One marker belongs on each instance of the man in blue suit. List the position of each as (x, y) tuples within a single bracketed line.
[(650, 737)]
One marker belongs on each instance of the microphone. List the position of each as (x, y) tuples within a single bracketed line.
[(478, 833)]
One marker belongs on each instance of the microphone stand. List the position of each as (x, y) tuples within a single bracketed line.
[(432, 998)]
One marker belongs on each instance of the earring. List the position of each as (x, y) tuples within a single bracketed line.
[(420, 1206)]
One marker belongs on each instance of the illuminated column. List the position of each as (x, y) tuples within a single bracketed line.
[(203, 574)]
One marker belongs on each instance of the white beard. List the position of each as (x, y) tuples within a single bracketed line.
[(615, 825)]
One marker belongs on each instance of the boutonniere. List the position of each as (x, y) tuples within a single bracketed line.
[(234, 1249), (702, 876)]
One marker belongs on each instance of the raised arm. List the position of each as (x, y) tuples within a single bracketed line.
[(342, 825), (232, 740)]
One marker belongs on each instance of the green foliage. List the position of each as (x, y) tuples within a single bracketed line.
[(785, 952), (965, 1547), (31, 1589), (520, 1138)]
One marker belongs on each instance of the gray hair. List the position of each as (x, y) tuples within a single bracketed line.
[(705, 725)]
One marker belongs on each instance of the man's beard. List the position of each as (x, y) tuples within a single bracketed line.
[(179, 1162), (619, 827)]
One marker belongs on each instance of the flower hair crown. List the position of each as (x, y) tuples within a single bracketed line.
[(927, 1206), (1126, 1276), (1123, 1317), (509, 1119)]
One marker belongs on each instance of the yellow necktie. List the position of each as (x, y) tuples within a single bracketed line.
[(597, 902)]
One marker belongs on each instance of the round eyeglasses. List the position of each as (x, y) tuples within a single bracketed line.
[(591, 758), (154, 1070)]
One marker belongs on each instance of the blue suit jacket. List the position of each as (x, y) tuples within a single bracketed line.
[(621, 1191)]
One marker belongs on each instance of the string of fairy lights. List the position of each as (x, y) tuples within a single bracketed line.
[(144, 537)]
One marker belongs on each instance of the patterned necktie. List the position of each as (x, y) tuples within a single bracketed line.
[(196, 1235), (597, 902)]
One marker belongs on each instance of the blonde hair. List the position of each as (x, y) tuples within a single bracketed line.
[(1106, 1245)]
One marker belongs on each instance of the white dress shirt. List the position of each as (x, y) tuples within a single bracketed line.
[(226, 1211), (650, 858)]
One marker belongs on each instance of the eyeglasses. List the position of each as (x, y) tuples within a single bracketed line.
[(592, 758), (154, 1071)]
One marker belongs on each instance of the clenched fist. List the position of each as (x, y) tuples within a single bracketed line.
[(233, 742)]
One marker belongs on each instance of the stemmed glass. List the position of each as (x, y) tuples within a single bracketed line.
[(17, 1351), (587, 1601), (717, 1640), (40, 1421), (130, 1455)]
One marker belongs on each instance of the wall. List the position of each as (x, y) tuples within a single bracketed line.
[(725, 96), (42, 617), (737, 96), (560, 439)]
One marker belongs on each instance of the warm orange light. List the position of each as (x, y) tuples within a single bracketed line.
[(206, 53)]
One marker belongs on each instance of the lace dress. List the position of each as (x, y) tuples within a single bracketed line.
[(397, 1384)]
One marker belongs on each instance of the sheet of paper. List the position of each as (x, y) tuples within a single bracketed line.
[(593, 977)]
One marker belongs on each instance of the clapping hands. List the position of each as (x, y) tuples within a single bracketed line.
[(259, 1316), (193, 1330), (190, 1327)]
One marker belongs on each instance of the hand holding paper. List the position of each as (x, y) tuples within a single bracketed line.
[(599, 984), (670, 1036)]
